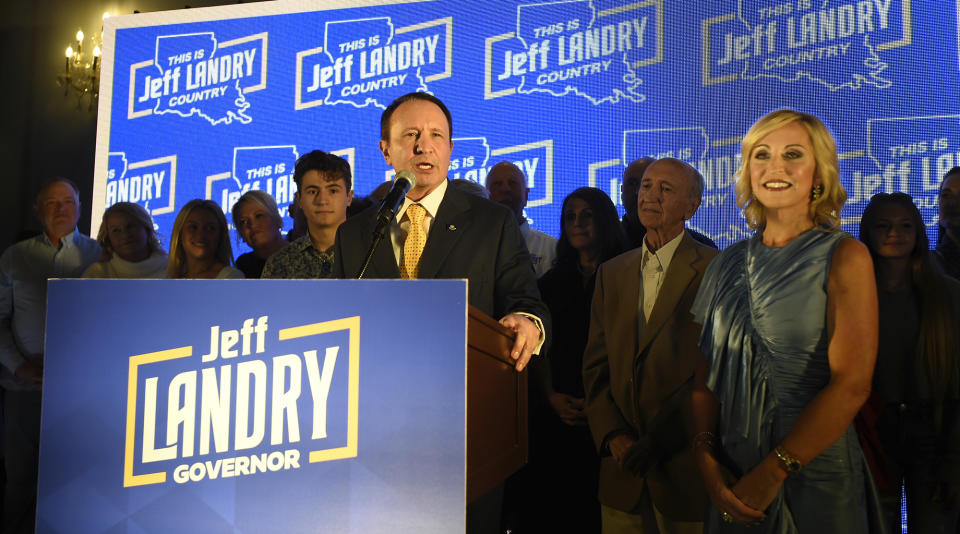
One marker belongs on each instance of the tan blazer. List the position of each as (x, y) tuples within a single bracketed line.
[(628, 375)]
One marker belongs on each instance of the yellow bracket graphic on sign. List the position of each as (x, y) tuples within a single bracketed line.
[(352, 325), (129, 479)]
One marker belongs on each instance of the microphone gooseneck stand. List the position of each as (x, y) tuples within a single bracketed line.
[(403, 182), (378, 233)]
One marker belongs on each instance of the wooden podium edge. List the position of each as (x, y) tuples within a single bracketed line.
[(497, 431)]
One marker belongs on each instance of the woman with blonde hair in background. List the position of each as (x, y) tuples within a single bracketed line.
[(790, 337), (130, 245), (258, 222), (200, 244)]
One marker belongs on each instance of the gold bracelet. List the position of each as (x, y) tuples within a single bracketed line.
[(787, 462)]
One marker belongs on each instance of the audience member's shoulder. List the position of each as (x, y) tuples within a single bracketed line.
[(952, 286), (89, 247), (290, 250), (97, 269), (558, 275), (483, 205), (230, 273), (85, 242), (360, 220), (624, 258), (542, 235), (939, 257), (697, 236), (10, 250), (27, 242), (85, 239), (732, 253), (284, 247), (705, 249), (17, 248)]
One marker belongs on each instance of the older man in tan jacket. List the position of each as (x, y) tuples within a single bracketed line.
[(639, 363)]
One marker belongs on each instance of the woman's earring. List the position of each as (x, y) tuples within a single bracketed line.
[(816, 192)]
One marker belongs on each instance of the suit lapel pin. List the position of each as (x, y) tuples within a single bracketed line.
[(452, 228)]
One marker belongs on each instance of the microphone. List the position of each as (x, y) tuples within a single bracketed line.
[(403, 182)]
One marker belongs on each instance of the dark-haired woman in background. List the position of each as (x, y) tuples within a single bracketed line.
[(199, 244), (916, 382), (564, 461), (258, 221), (131, 248)]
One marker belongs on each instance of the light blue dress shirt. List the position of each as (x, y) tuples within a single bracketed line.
[(24, 270)]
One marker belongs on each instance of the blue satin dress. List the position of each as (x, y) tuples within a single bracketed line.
[(764, 312)]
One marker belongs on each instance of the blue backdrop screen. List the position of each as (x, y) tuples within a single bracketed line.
[(209, 103)]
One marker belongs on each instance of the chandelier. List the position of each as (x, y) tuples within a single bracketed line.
[(81, 73)]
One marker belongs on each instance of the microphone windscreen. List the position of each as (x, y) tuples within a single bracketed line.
[(408, 176)]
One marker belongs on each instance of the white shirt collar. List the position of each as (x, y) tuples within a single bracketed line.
[(665, 253), (67, 240), (431, 202)]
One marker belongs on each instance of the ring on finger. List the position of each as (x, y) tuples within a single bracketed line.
[(727, 518)]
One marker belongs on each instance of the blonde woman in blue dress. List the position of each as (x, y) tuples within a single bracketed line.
[(790, 338)]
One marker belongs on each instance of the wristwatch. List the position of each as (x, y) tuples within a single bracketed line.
[(789, 464)]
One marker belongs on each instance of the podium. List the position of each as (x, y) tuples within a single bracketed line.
[(296, 406), (496, 406)]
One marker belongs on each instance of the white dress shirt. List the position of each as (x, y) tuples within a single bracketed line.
[(401, 225), (542, 247), (653, 267)]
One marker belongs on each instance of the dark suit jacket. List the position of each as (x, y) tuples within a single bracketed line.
[(470, 238), (629, 377)]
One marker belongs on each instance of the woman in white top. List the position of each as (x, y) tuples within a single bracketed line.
[(130, 245), (199, 244)]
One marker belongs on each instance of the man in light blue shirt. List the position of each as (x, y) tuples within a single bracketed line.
[(59, 252)]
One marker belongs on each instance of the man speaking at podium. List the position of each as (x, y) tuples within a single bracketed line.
[(439, 232)]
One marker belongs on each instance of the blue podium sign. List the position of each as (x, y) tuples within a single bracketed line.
[(253, 406)]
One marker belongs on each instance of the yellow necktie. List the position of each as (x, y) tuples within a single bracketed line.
[(413, 244)]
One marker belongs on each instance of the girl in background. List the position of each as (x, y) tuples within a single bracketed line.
[(200, 245), (916, 382)]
